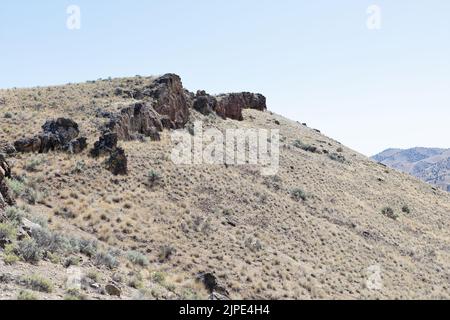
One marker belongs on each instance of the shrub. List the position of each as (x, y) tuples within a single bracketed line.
[(86, 247), (159, 277), (26, 295), (15, 186), (40, 220), (337, 157), (299, 194), (29, 251), (33, 164), (65, 213), (273, 182), (79, 167), (32, 196), (72, 261), (136, 282), (406, 209), (305, 147), (137, 258), (8, 115), (9, 255), (15, 215), (8, 231), (106, 259), (165, 252), (10, 259), (389, 212), (74, 295), (49, 241), (37, 283), (154, 178), (189, 294), (93, 275)]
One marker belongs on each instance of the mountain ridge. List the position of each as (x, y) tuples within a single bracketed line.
[(431, 165)]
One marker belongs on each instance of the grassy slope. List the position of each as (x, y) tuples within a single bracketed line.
[(318, 248)]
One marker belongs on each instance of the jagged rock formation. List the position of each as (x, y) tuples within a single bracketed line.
[(139, 118), (59, 134), (229, 105), (5, 172), (431, 165), (106, 144), (170, 99), (204, 103), (166, 104)]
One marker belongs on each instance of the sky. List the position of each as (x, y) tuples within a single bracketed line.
[(317, 61)]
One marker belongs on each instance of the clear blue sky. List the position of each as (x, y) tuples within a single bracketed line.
[(316, 61)]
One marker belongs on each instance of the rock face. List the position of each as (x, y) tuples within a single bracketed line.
[(170, 99), (138, 118), (117, 162), (204, 103), (59, 134), (105, 145), (231, 105), (5, 172)]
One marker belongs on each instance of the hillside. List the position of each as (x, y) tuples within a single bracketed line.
[(157, 230), (431, 165)]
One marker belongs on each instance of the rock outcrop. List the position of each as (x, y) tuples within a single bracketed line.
[(59, 134), (228, 106), (138, 118), (204, 103), (170, 99), (5, 172), (105, 145), (231, 105), (7, 148)]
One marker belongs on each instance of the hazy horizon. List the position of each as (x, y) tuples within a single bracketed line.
[(316, 62)]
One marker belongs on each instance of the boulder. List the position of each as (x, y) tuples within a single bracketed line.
[(113, 290), (7, 148), (212, 284), (138, 118), (27, 145), (117, 162), (65, 129), (170, 99)]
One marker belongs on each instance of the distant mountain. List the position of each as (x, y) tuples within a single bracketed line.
[(431, 165)]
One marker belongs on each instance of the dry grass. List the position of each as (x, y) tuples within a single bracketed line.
[(278, 246)]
